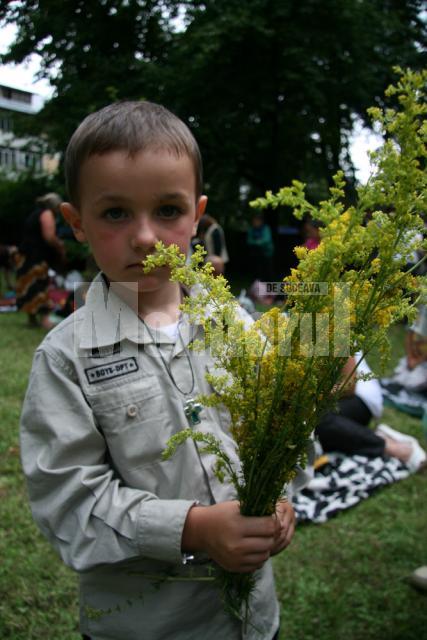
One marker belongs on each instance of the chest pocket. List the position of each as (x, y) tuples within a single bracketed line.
[(135, 422)]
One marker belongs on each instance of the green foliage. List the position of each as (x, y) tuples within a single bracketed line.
[(268, 86), (38, 594), (17, 199), (400, 180), (369, 255), (273, 85), (93, 52), (77, 254), (212, 445)]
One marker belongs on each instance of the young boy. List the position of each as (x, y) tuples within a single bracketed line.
[(113, 382)]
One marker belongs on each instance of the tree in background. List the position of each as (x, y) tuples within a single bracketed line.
[(270, 87), (92, 51), (17, 200)]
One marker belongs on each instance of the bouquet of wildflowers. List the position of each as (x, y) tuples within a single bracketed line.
[(278, 375)]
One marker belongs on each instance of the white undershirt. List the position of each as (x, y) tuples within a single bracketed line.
[(171, 330)]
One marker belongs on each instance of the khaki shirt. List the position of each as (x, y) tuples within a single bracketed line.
[(99, 409)]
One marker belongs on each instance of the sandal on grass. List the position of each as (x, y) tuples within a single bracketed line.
[(418, 578), (418, 457)]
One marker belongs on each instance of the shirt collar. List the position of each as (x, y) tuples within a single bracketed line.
[(108, 320)]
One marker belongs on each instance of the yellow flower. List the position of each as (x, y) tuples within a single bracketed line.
[(375, 265), (278, 377), (301, 252)]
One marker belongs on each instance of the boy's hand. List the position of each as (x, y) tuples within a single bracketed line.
[(237, 543), (286, 518)]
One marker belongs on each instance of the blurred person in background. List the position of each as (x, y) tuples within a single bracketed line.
[(212, 237), (311, 233), (346, 429), (7, 253), (261, 249), (40, 250)]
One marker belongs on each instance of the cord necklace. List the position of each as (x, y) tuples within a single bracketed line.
[(192, 408)]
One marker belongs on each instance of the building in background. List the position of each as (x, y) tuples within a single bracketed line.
[(18, 154)]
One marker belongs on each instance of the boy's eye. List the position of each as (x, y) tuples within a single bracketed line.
[(169, 211), (115, 213)]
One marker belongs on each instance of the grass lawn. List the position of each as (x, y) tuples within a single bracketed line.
[(342, 580)]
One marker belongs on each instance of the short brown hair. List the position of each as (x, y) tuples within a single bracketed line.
[(130, 126)]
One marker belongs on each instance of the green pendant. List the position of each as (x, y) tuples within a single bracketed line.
[(192, 409)]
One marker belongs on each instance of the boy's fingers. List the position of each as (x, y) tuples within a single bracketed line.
[(257, 558), (253, 562), (283, 542), (257, 545), (289, 521), (260, 526), (286, 517), (289, 534), (285, 512)]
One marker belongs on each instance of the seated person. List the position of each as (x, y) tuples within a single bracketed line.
[(346, 430), (410, 373), (416, 341)]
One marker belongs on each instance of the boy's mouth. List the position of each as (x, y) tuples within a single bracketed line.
[(140, 265)]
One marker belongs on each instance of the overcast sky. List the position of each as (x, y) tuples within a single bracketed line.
[(22, 77)]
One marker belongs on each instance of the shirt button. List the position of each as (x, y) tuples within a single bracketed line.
[(132, 410)]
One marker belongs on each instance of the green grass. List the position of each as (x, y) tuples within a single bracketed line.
[(342, 580), (38, 594), (346, 579)]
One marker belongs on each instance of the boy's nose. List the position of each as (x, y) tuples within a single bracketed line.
[(143, 233)]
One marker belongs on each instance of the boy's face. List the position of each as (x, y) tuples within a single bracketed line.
[(127, 204)]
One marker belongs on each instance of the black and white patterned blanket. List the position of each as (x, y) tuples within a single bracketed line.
[(343, 482), (395, 395)]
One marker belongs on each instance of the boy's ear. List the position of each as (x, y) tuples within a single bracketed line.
[(200, 209), (73, 217)]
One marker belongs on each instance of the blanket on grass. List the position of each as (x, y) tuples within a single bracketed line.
[(342, 482), (409, 401), (406, 389)]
